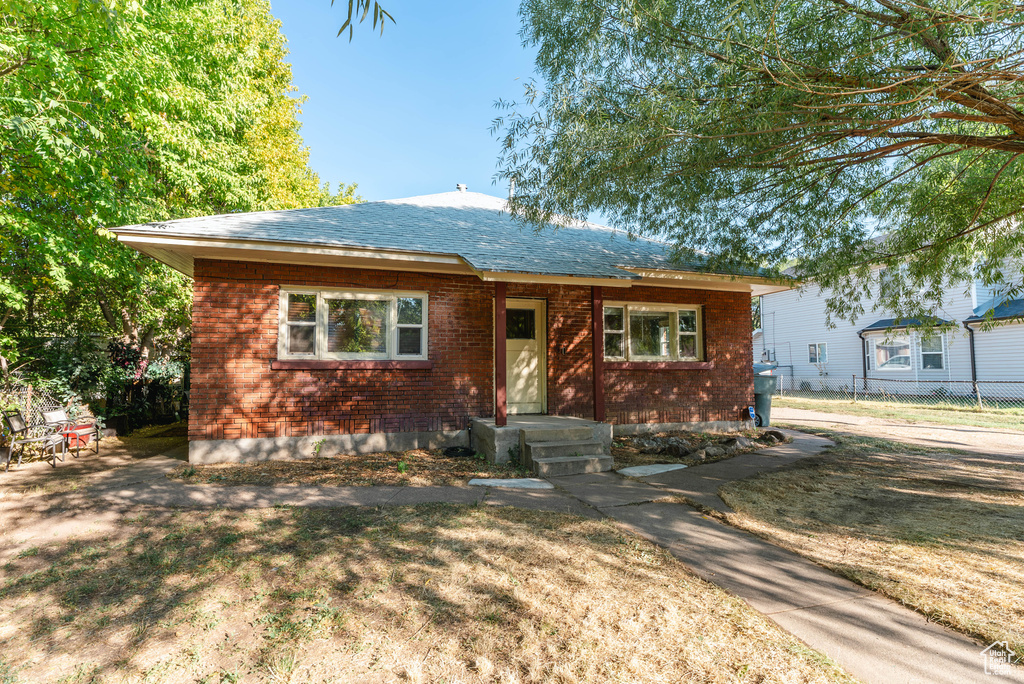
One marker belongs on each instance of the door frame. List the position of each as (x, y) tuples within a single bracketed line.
[(540, 305)]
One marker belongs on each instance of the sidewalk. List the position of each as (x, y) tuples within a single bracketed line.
[(874, 638), (147, 484)]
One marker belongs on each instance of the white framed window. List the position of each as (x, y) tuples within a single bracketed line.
[(817, 353), (652, 332), (352, 324), (933, 352), (892, 354)]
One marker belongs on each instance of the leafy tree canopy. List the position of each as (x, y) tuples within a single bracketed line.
[(114, 113), (842, 133)]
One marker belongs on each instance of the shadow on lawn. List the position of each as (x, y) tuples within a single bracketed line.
[(939, 530), (282, 577), (892, 491)]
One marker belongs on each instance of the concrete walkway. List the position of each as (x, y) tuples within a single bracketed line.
[(874, 638), (147, 484)]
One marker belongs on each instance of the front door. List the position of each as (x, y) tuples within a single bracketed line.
[(525, 351)]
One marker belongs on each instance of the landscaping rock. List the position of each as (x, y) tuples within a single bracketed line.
[(737, 443), (677, 450), (699, 455), (714, 451)]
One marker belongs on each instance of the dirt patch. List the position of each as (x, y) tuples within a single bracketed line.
[(419, 467), (35, 476), (432, 593), (939, 531), (690, 448)]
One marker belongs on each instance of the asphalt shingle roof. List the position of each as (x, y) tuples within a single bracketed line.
[(1011, 308), (899, 323), (468, 224)]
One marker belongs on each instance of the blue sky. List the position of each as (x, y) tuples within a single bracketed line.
[(406, 113)]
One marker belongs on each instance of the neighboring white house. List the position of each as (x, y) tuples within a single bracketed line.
[(795, 336)]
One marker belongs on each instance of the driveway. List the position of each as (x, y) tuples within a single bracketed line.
[(980, 440)]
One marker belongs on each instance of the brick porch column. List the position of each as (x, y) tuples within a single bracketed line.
[(500, 405), (597, 333)]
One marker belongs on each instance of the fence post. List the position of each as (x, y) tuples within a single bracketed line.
[(854, 385), (977, 393)]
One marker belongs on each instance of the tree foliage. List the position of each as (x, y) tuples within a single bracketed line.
[(358, 11), (842, 133), (118, 112)]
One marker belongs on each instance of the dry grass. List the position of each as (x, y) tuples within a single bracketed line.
[(419, 467), (1012, 418), (940, 532), (432, 593), (626, 455)]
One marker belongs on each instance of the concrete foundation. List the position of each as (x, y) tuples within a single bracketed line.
[(498, 444), (290, 448)]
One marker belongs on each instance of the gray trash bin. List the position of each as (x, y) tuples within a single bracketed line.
[(764, 387)]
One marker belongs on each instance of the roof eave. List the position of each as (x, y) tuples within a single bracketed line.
[(756, 285)]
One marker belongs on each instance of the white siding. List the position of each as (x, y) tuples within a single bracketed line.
[(795, 319), (1000, 352)]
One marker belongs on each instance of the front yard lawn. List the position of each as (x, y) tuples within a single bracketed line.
[(430, 593), (1012, 418), (940, 532), (418, 467)]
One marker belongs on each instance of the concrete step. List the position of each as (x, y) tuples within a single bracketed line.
[(559, 434), (534, 450), (559, 466)]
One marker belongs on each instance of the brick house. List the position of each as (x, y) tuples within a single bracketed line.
[(405, 323)]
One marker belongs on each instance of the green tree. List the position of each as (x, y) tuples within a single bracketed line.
[(842, 133), (114, 113)]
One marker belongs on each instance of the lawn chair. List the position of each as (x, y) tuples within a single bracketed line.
[(74, 431), (19, 429)]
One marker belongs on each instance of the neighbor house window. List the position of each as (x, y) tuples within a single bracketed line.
[(892, 354), (651, 332), (817, 353), (932, 352), (341, 324)]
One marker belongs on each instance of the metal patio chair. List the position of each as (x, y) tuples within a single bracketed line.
[(58, 421), (19, 429)]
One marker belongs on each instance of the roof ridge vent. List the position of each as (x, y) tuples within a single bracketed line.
[(461, 187)]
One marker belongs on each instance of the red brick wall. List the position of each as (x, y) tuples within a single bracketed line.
[(683, 396), (235, 394)]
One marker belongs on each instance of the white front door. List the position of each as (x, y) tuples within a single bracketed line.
[(525, 351)]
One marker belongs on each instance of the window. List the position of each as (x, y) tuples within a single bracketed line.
[(614, 332), (301, 324), (931, 352), (520, 324), (893, 354), (646, 332), (335, 324), (817, 353)]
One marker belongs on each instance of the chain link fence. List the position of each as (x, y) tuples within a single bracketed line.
[(32, 402), (982, 395)]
